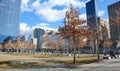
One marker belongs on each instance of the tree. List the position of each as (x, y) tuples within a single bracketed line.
[(100, 34), (17, 44), (46, 40), (26, 46), (107, 43), (13, 46), (116, 19), (60, 43), (73, 29), (8, 45), (7, 39), (1, 46)]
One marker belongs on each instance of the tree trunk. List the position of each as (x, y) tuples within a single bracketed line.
[(17, 50), (97, 47), (74, 55)]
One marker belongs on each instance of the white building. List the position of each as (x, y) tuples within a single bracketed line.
[(104, 23)]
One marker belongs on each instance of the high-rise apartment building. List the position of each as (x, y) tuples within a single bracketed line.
[(9, 18), (113, 11), (91, 12)]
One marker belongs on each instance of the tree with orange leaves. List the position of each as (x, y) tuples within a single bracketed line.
[(107, 43), (1, 46), (46, 40), (116, 19), (60, 43), (73, 29), (8, 45), (17, 44)]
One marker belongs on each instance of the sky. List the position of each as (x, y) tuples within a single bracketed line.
[(49, 14)]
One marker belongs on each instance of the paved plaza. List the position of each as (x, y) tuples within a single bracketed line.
[(105, 65)]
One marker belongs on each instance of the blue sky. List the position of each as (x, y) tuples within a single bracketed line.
[(49, 14)]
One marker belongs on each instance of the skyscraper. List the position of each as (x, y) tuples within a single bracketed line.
[(38, 34), (113, 10), (91, 12), (9, 18)]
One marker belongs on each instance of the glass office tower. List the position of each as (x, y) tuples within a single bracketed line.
[(38, 33), (113, 12), (9, 18), (91, 12)]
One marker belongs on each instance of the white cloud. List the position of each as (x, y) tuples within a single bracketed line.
[(44, 26), (51, 15), (36, 4), (24, 28), (45, 10), (83, 16), (101, 13), (87, 1), (107, 20), (25, 6)]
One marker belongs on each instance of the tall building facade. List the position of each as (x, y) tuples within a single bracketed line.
[(112, 12), (38, 34), (104, 24), (91, 12), (9, 18)]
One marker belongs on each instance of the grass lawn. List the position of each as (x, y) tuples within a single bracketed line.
[(41, 60), (79, 61)]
